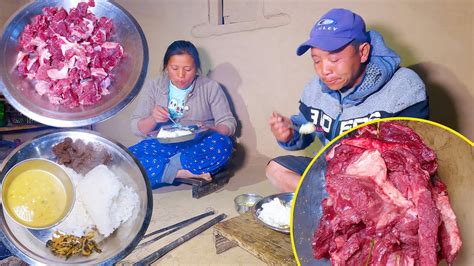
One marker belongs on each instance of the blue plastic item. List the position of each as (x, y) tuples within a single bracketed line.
[(5, 148)]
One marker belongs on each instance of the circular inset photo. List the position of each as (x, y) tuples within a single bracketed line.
[(395, 191)]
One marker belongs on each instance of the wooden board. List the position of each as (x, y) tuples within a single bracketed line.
[(270, 246), (21, 127)]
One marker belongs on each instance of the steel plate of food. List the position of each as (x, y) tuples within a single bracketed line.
[(112, 201), (173, 134), (274, 211)]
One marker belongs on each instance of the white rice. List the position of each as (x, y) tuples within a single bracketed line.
[(78, 222), (102, 201), (275, 213), (307, 128)]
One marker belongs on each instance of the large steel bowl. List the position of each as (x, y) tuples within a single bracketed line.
[(244, 202), (29, 245), (308, 211), (129, 74)]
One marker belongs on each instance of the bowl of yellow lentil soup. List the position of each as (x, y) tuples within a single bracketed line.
[(37, 193)]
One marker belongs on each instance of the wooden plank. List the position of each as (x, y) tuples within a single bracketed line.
[(270, 246), (223, 244), (21, 127), (201, 188)]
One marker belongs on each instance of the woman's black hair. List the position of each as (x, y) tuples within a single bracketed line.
[(182, 47)]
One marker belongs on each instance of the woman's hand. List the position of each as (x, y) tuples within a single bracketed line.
[(160, 114), (279, 126)]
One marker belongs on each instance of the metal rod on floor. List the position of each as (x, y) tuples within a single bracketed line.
[(182, 223), (173, 228), (158, 237), (162, 251)]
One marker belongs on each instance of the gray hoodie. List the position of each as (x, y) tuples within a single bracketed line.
[(386, 90), (206, 102)]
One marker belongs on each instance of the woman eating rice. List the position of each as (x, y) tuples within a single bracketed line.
[(181, 93)]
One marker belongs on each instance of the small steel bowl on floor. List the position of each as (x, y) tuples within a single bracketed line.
[(244, 202)]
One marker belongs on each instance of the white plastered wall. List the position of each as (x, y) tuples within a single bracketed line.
[(262, 73)]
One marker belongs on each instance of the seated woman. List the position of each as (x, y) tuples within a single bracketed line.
[(184, 95)]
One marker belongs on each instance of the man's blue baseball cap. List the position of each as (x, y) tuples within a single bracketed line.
[(334, 30)]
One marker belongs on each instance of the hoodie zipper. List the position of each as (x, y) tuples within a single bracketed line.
[(336, 121)]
